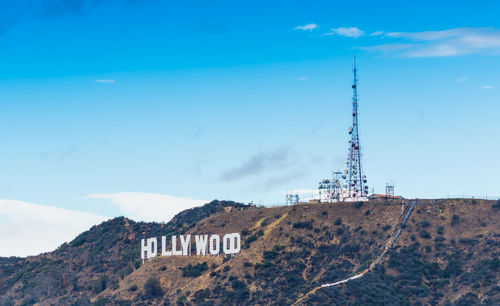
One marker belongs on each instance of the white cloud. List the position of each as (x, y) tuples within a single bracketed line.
[(141, 206), (463, 79), (307, 27), (427, 35), (487, 87), (30, 229), (451, 42), (387, 48), (434, 51), (106, 81), (376, 33), (302, 78), (352, 32)]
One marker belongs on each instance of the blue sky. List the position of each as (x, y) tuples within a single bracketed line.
[(106, 105)]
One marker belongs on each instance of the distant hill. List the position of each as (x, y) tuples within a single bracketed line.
[(447, 253)]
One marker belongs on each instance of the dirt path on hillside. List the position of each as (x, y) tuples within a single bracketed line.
[(389, 244)]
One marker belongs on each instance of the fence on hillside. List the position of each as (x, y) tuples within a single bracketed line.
[(456, 196), (468, 196)]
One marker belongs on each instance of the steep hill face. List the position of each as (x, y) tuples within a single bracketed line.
[(448, 252), (94, 261)]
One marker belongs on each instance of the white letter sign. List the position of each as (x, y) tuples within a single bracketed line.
[(201, 244), (205, 244), (234, 245), (214, 244)]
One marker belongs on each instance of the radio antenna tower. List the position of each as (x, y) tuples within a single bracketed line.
[(355, 180)]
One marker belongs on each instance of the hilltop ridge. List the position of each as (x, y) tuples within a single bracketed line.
[(447, 252)]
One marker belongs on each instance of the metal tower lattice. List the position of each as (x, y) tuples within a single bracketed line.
[(355, 180), (389, 190), (292, 199)]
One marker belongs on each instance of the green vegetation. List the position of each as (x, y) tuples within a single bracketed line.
[(424, 234), (133, 288), (496, 206), (194, 271), (358, 205), (95, 260), (439, 238), (100, 284), (200, 295), (304, 224), (152, 288), (432, 262)]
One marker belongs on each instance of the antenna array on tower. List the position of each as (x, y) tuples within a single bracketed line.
[(355, 183), (351, 184)]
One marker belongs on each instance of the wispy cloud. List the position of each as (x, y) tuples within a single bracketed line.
[(141, 206), (451, 42), (352, 32), (307, 27), (462, 79), (486, 87), (59, 155), (302, 78), (198, 132), (376, 33), (278, 180), (106, 81), (387, 49), (30, 229), (260, 163)]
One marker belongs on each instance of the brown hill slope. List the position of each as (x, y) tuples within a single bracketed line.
[(294, 249), (95, 260), (447, 252)]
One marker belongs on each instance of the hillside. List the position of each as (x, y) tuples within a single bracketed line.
[(95, 260), (448, 252)]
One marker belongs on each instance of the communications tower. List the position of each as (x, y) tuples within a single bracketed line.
[(355, 187)]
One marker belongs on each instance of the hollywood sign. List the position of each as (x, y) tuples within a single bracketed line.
[(231, 244)]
